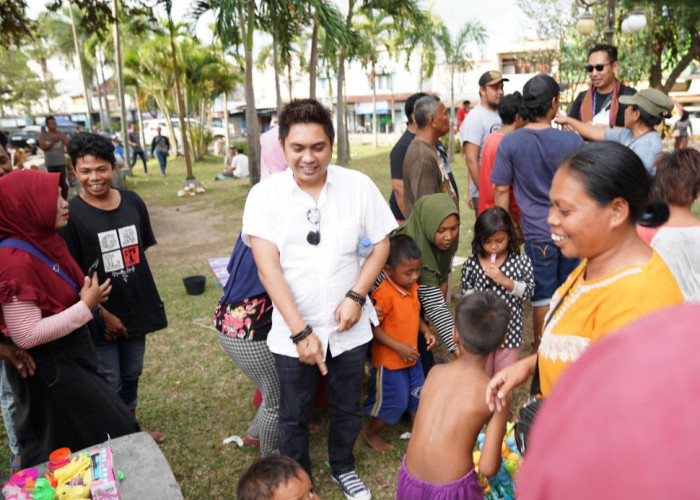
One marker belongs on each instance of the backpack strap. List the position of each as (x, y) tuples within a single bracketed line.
[(32, 250)]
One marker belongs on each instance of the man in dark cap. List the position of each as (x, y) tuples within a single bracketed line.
[(528, 157)]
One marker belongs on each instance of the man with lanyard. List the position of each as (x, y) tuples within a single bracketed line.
[(600, 105), (424, 171), (303, 225)]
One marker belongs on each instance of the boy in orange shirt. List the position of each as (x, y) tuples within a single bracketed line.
[(397, 378)]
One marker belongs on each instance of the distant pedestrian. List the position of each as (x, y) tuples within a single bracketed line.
[(136, 149), (53, 142), (477, 126), (682, 130), (161, 146)]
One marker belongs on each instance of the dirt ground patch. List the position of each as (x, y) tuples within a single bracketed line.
[(188, 233)]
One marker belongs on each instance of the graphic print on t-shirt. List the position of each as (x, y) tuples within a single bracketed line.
[(120, 250)]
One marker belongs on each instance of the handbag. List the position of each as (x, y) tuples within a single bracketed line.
[(528, 412), (97, 324)]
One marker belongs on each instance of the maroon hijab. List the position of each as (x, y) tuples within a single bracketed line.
[(28, 202)]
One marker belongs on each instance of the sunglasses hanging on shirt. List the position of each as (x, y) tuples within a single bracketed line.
[(313, 215)]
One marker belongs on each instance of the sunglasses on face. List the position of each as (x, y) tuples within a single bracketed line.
[(597, 67), (314, 217)]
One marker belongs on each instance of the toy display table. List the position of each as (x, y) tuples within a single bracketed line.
[(147, 473)]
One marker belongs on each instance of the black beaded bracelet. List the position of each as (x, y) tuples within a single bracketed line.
[(301, 335), (352, 295)]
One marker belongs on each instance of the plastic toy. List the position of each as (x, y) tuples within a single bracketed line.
[(105, 484), (42, 490)]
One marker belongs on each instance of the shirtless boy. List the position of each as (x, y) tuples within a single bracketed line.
[(452, 411)]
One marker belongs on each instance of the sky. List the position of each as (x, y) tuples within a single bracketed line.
[(501, 18)]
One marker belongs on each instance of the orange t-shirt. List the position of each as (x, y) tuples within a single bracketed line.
[(401, 310), (488, 156)]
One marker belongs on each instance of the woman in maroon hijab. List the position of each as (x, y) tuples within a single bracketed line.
[(45, 304)]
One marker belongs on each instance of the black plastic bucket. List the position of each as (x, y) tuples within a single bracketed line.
[(194, 285)]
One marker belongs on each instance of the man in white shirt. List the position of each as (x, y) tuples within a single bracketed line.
[(303, 225), (477, 126)]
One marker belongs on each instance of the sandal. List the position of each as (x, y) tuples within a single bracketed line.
[(15, 464)]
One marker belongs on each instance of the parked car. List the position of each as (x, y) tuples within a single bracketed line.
[(150, 130)]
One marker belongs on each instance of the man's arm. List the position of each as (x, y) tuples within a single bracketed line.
[(585, 130), (501, 197), (267, 259), (397, 186), (43, 143), (471, 152), (348, 311)]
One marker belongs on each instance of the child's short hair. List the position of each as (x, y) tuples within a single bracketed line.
[(402, 247), (481, 319), (490, 222), (96, 145), (262, 478)]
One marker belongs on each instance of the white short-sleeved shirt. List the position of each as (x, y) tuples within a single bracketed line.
[(475, 128), (351, 207)]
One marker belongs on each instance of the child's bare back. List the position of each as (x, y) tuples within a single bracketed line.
[(451, 414)]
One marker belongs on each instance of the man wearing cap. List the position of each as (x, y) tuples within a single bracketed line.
[(478, 125), (424, 172), (528, 158), (601, 104), (643, 112)]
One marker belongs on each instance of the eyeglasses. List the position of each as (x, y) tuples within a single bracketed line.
[(597, 67), (314, 217)]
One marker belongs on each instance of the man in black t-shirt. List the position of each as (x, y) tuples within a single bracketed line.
[(600, 105), (113, 228)]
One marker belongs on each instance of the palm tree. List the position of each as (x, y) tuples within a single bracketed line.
[(234, 26), (41, 50), (405, 13), (459, 58), (377, 31)]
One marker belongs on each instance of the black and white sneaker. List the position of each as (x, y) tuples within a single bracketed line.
[(353, 487)]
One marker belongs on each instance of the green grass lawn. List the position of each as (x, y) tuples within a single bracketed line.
[(190, 389)]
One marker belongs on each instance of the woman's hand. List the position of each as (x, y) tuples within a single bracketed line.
[(430, 340), (347, 314), (499, 388), (93, 293), (20, 359), (310, 351)]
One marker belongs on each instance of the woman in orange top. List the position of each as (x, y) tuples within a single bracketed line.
[(597, 196)]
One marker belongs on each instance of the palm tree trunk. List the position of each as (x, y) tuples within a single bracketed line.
[(375, 128), (226, 120), (120, 76), (99, 97), (180, 106), (343, 155), (313, 58), (108, 117), (251, 114), (451, 146), (276, 63), (86, 93)]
